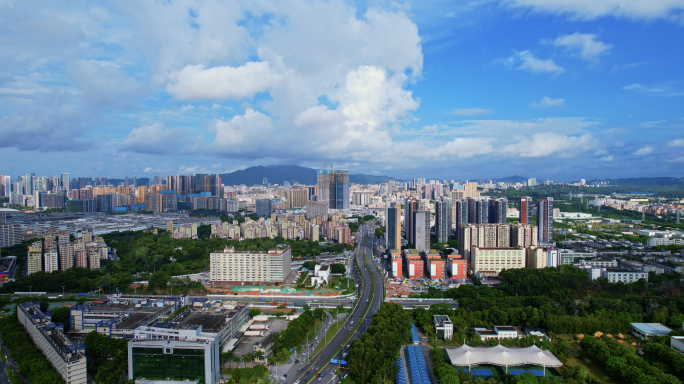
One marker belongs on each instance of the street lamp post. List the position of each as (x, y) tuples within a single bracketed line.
[(63, 290), (30, 290)]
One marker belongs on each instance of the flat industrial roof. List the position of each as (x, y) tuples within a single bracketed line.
[(210, 320), (652, 328)]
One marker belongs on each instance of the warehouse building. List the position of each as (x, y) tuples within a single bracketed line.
[(118, 316)]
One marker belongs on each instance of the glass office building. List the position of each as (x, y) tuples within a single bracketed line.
[(159, 354), (174, 364)]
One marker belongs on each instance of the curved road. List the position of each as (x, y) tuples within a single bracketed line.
[(368, 299)]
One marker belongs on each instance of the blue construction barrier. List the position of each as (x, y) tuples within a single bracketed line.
[(417, 366), (401, 376), (414, 334)]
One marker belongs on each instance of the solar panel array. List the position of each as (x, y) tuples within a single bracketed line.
[(417, 366), (401, 376), (414, 334)]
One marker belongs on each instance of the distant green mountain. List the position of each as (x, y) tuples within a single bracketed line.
[(277, 174)]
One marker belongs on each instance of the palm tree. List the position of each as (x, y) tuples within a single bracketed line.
[(258, 355)]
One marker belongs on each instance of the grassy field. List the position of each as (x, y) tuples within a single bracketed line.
[(595, 370)]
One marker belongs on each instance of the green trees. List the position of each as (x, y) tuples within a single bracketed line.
[(248, 375), (337, 268), (371, 358), (668, 359), (445, 372), (108, 360), (310, 264), (32, 364), (62, 315), (624, 364), (556, 283), (254, 312), (295, 333), (565, 324), (159, 280)]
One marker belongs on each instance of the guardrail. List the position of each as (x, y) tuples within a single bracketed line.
[(416, 299), (284, 298)]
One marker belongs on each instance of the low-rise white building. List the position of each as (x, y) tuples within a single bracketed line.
[(624, 275), (649, 329), (600, 263), (444, 328), (499, 332), (321, 275), (677, 343), (656, 241)]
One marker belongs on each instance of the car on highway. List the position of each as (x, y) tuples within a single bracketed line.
[(298, 381), (297, 361)]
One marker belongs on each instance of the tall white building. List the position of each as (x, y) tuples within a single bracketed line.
[(260, 267), (65, 182), (51, 260)]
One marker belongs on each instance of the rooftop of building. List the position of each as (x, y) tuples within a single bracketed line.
[(652, 328), (620, 270), (499, 248), (279, 250), (212, 319), (54, 333), (440, 320), (504, 328)]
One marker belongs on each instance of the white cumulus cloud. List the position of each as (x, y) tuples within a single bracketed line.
[(676, 143), (156, 139), (646, 150), (593, 9), (547, 102), (549, 143), (472, 111), (583, 44), (526, 61), (194, 82), (641, 88)]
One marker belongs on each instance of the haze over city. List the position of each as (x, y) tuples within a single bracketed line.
[(557, 90)]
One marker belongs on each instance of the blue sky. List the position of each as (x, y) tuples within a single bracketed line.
[(562, 89)]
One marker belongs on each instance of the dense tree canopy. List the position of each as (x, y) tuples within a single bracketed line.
[(624, 364), (564, 301), (108, 357), (371, 358), (32, 364)]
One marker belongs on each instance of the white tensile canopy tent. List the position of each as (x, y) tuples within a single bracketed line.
[(502, 356)]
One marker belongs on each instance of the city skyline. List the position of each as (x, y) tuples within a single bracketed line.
[(554, 90)]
